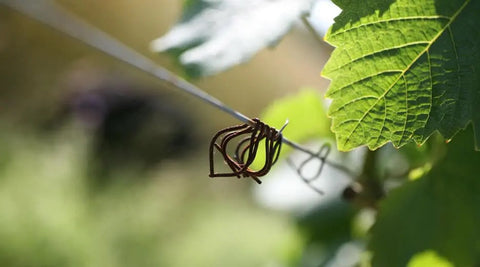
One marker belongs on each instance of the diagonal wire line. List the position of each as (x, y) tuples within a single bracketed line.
[(49, 13)]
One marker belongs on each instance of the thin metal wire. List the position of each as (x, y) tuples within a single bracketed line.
[(47, 12), (60, 19)]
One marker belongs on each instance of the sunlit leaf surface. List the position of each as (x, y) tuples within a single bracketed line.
[(402, 70)]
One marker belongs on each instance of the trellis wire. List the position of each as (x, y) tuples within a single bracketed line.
[(47, 12)]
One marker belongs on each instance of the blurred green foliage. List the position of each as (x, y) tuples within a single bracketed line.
[(439, 212), (326, 229), (50, 216), (306, 116)]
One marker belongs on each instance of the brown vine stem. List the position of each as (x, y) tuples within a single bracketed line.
[(49, 13), (370, 181)]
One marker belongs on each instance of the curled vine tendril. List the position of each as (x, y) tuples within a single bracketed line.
[(249, 136), (246, 149), (321, 155)]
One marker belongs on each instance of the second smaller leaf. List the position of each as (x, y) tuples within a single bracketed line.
[(215, 35)]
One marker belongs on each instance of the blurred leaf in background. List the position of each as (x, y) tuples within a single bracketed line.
[(215, 35), (326, 229), (305, 112), (439, 212), (306, 115), (428, 258)]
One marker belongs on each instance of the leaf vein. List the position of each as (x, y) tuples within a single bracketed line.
[(410, 65), (391, 20), (406, 107), (379, 52), (351, 102), (362, 79), (454, 46)]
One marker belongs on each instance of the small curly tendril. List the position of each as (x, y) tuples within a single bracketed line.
[(248, 138), (321, 155), (246, 149)]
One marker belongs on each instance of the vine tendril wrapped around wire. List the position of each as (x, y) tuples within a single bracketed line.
[(246, 149)]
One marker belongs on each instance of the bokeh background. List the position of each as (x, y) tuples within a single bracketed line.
[(102, 165)]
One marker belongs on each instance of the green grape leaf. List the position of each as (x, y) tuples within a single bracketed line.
[(214, 35), (438, 212), (402, 70)]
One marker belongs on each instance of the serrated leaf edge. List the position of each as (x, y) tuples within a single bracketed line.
[(344, 147)]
